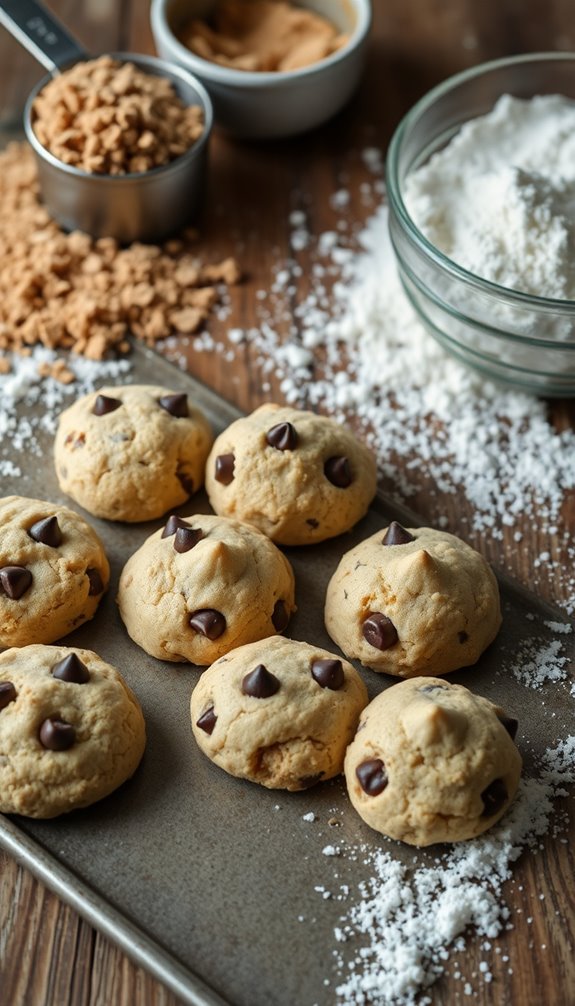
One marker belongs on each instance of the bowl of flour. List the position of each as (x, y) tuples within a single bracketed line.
[(481, 188)]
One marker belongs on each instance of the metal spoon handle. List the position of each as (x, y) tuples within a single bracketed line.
[(41, 33)]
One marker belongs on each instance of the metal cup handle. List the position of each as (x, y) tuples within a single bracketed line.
[(43, 35)]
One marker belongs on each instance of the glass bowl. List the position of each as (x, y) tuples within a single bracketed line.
[(523, 340)]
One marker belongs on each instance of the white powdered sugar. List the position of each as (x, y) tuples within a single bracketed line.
[(537, 661), (497, 203)]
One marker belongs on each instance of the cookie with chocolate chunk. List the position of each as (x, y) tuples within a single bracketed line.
[(413, 601), (71, 731), (132, 453), (278, 712), (53, 571), (202, 585), (299, 477), (432, 762)]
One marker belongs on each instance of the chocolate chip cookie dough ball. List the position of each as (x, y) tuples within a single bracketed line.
[(132, 453), (201, 586), (299, 477), (277, 712), (53, 571), (71, 731), (431, 762), (410, 602)]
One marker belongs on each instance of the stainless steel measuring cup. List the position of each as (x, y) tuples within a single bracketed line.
[(147, 206)]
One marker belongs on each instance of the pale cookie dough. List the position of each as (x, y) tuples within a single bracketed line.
[(71, 730), (201, 586), (299, 477), (53, 571), (277, 712), (132, 453), (431, 762), (413, 601)]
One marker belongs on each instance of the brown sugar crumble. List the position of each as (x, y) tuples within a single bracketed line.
[(73, 292), (262, 35), (108, 117)]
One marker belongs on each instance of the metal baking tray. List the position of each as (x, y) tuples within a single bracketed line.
[(207, 881)]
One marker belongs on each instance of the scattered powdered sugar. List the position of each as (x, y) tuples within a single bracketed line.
[(409, 917), (538, 661)]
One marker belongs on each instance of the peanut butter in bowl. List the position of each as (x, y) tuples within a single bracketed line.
[(262, 35)]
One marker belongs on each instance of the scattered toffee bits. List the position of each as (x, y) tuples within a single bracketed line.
[(186, 538), (56, 734), (208, 622), (337, 471), (7, 693), (379, 631), (397, 535), (14, 581), (111, 118), (172, 524), (494, 797), (224, 469), (283, 437), (280, 617), (71, 669), (96, 582), (372, 776), (260, 683), (176, 405), (104, 404), (70, 291), (46, 532), (328, 673), (207, 721), (510, 724)]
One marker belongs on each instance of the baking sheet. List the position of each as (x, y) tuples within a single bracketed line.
[(208, 881)]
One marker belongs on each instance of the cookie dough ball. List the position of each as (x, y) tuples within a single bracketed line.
[(201, 586), (299, 477), (71, 731), (431, 762), (132, 453), (411, 602), (53, 571), (278, 712)]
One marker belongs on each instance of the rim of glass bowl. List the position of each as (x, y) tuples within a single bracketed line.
[(525, 300)]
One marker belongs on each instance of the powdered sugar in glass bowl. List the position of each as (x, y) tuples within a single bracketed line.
[(483, 233)]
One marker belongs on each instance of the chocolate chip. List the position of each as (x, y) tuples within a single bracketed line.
[(71, 669), (207, 721), (312, 522), (306, 781), (510, 725), (176, 405), (379, 631), (283, 437), (56, 734), (186, 482), (328, 673), (372, 776), (224, 470), (433, 688), (494, 797), (208, 622), (96, 582), (338, 472), (280, 617), (7, 693), (186, 537), (260, 683), (103, 405), (397, 535), (172, 525), (15, 580), (47, 532), (463, 636)]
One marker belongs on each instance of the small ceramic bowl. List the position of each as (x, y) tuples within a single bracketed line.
[(510, 336), (265, 105)]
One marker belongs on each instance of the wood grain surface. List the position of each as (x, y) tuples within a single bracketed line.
[(48, 955)]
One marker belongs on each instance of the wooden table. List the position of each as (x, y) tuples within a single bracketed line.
[(48, 955)]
